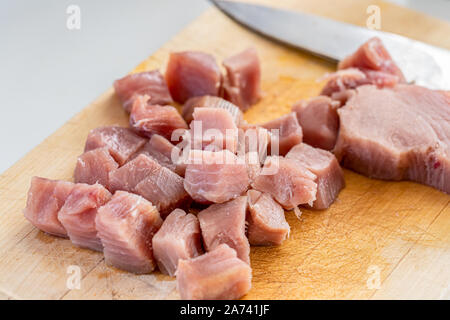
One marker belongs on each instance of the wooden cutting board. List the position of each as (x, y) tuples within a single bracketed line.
[(379, 240)]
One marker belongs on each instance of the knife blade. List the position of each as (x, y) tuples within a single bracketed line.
[(421, 63)]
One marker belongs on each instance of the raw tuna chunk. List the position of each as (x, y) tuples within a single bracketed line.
[(216, 275), (215, 177), (150, 83), (242, 83), (290, 132), (122, 143), (214, 129), (329, 175), (370, 64), (397, 134), (225, 223), (178, 238), (126, 225), (211, 102), (254, 139), (342, 96), (94, 167), (160, 149), (253, 164), (78, 214), (352, 78), (372, 55), (266, 222), (290, 183), (164, 189), (319, 121), (148, 178), (45, 199), (192, 74), (127, 177), (148, 120)]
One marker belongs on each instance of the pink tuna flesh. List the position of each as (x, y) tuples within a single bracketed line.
[(148, 120), (164, 188), (211, 102), (370, 64), (45, 199), (94, 167), (329, 175), (192, 74), (290, 183), (289, 133), (178, 238), (242, 83), (397, 134), (78, 214), (216, 275), (319, 121), (122, 143), (213, 129), (267, 225), (127, 177), (225, 223), (126, 225), (352, 78), (372, 55), (161, 150), (215, 177), (150, 83), (254, 139)]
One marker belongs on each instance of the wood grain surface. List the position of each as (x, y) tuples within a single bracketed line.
[(398, 231)]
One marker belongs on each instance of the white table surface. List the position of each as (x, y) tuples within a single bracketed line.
[(49, 73)]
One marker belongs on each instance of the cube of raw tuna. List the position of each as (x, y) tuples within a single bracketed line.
[(78, 213), (267, 224), (192, 74), (45, 199), (146, 177), (94, 167), (126, 225), (160, 149), (148, 120), (211, 102), (150, 83), (319, 121), (216, 275), (225, 223), (164, 188), (290, 133), (372, 55), (214, 129), (352, 78), (329, 175), (255, 139), (122, 143), (290, 183), (127, 177), (178, 238), (242, 83), (370, 64), (215, 177)]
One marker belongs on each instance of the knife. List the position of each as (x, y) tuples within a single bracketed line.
[(421, 63)]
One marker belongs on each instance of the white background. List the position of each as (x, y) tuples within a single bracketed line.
[(48, 73)]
